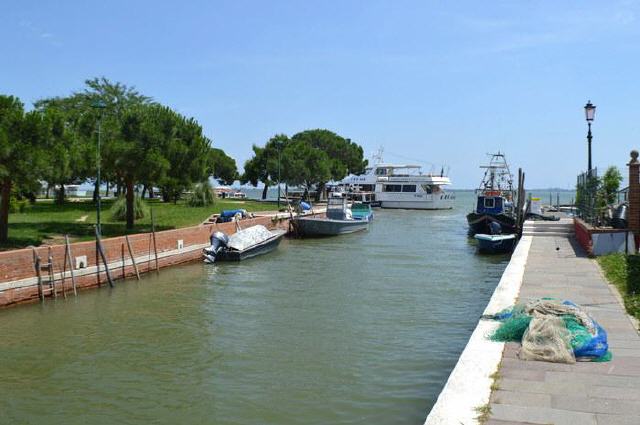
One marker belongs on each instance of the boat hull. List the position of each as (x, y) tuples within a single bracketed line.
[(263, 247), (314, 226), (479, 223), (495, 244)]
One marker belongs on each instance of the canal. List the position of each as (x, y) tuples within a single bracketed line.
[(363, 328)]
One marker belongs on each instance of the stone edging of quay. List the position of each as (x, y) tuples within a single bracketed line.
[(469, 384)]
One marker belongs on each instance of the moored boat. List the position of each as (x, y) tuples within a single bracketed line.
[(495, 244), (361, 211), (494, 202), (400, 186), (243, 244), (339, 220)]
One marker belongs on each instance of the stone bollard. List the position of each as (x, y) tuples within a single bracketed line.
[(634, 196)]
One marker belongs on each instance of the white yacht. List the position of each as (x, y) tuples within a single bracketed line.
[(401, 186)]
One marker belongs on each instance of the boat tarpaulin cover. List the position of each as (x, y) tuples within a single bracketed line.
[(250, 236), (232, 213)]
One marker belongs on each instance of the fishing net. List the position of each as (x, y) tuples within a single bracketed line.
[(553, 331), (548, 339), (514, 324)]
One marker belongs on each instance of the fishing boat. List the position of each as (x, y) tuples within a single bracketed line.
[(339, 220), (494, 199), (243, 244)]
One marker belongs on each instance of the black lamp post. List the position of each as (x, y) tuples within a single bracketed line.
[(99, 105), (589, 112)]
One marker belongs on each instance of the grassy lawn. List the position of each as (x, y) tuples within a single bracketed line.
[(624, 272), (46, 222)]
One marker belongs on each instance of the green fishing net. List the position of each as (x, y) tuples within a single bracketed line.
[(579, 334), (513, 326)]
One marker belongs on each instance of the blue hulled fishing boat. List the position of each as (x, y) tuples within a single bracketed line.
[(495, 199)]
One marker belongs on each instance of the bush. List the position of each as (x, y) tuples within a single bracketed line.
[(202, 195), (119, 209), (18, 206)]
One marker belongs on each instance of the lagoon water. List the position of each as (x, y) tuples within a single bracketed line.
[(363, 328)]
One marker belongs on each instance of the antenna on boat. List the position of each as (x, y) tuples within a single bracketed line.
[(376, 158)]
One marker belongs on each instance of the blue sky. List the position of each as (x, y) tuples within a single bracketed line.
[(435, 82)]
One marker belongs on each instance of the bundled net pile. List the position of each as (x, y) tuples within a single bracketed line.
[(553, 331)]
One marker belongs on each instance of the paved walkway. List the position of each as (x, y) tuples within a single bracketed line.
[(532, 392)]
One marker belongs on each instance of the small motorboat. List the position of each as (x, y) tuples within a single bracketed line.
[(339, 220), (361, 211), (495, 244), (243, 244)]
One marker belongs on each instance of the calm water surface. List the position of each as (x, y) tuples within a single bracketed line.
[(356, 329)]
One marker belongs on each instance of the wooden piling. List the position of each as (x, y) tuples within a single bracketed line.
[(133, 259), (36, 265), (64, 274), (122, 258), (73, 278), (155, 247), (52, 279), (104, 259)]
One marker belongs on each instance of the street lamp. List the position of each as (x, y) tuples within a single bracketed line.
[(589, 112), (100, 106)]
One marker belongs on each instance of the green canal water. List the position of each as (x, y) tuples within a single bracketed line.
[(363, 328)]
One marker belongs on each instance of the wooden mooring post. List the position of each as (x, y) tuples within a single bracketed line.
[(155, 247), (69, 259), (104, 258), (133, 259)]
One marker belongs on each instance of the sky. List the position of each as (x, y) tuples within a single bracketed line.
[(431, 82)]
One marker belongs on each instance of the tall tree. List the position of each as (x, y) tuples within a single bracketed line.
[(255, 170), (21, 152), (186, 149), (82, 116), (222, 166), (67, 155), (264, 167), (137, 153), (305, 165), (343, 156)]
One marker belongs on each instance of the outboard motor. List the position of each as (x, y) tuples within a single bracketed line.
[(495, 228), (219, 241)]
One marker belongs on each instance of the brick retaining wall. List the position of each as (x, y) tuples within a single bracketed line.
[(18, 281)]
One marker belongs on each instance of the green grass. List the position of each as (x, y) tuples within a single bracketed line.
[(624, 272), (47, 222)]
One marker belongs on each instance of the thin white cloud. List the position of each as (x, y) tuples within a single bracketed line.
[(34, 31)]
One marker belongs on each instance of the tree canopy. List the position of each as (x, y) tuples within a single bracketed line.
[(310, 158), (142, 143), (222, 166), (22, 152)]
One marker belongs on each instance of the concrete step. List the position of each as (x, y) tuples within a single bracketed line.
[(543, 234), (547, 224), (552, 229)]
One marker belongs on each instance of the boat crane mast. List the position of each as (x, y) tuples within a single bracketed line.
[(497, 175)]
